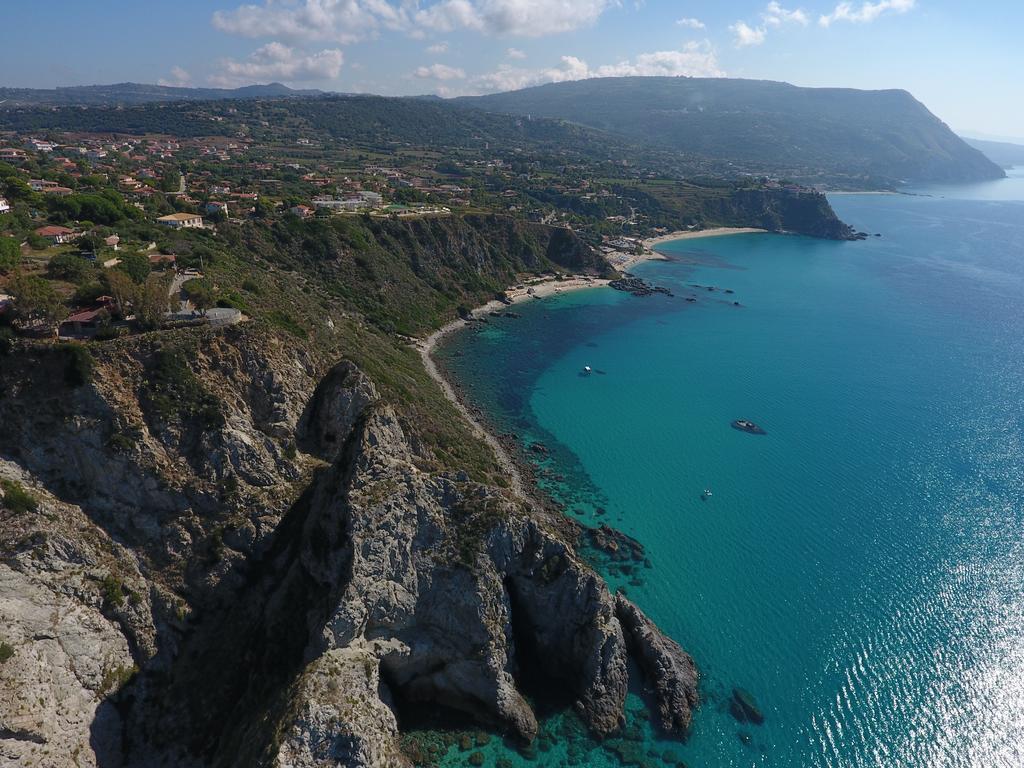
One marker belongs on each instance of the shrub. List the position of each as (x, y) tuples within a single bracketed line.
[(6, 652), (16, 498), (70, 267), (112, 591), (78, 364)]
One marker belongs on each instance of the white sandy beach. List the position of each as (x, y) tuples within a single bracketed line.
[(693, 234)]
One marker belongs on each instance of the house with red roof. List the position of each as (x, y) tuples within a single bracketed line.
[(57, 235)]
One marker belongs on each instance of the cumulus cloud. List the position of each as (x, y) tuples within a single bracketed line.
[(691, 23), (744, 34), (515, 53), (775, 16), (772, 17), (179, 78), (693, 60), (866, 11), (437, 48), (439, 72), (346, 21), (276, 61)]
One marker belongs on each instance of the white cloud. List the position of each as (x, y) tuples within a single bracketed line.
[(515, 53), (439, 72), (691, 23), (866, 12), (179, 78), (437, 48), (745, 35), (775, 16), (693, 60), (276, 61), (772, 17), (346, 21)]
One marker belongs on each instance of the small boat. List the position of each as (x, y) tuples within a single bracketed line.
[(587, 369), (706, 495), (745, 425)]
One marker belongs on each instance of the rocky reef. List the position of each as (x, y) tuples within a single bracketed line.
[(238, 552)]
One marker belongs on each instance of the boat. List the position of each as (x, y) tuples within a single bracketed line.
[(706, 495), (745, 425), (587, 369)]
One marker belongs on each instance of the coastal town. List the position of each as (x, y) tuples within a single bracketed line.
[(81, 210)]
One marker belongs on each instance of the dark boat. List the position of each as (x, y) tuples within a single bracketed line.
[(743, 425)]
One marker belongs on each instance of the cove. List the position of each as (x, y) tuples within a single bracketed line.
[(859, 569)]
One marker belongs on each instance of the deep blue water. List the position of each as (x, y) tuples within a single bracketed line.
[(860, 568)]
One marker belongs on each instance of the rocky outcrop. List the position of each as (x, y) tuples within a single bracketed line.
[(669, 670), (75, 619), (266, 575)]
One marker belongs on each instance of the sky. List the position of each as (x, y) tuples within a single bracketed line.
[(964, 60)]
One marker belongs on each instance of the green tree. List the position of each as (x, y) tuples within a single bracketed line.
[(10, 254), (153, 300), (70, 267), (35, 301), (136, 266), (171, 181), (122, 288), (201, 293)]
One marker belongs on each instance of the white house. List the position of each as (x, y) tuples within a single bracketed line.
[(4, 206), (181, 221)]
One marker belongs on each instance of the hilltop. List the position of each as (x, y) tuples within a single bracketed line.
[(829, 135), (136, 93)]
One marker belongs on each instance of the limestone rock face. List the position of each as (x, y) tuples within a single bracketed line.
[(341, 719), (668, 668), (70, 631), (276, 582)]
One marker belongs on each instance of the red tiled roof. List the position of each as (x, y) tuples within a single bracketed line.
[(54, 231)]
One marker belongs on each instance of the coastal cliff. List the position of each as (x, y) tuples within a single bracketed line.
[(239, 552)]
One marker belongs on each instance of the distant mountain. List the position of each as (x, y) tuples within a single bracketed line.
[(1004, 153), (137, 93), (831, 135)]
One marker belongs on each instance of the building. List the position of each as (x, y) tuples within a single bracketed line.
[(57, 235), (162, 260), (58, 190), (302, 211), (4, 205), (217, 207), (40, 185), (11, 155), (181, 221), (112, 242)]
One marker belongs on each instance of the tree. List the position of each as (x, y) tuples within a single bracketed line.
[(122, 288), (70, 267), (171, 181), (10, 254), (153, 300), (35, 301), (200, 292), (136, 266)]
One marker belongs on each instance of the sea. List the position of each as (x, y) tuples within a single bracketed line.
[(859, 568)]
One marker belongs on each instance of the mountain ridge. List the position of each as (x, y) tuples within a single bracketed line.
[(884, 137), (139, 93)]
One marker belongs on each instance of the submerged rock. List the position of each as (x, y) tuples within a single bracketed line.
[(743, 707)]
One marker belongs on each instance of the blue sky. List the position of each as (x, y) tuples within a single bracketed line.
[(965, 61)]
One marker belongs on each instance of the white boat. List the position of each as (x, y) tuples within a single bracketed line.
[(587, 369), (707, 494)]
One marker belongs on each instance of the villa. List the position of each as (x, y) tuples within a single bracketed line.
[(181, 221)]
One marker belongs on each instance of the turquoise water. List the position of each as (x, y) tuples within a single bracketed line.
[(860, 568)]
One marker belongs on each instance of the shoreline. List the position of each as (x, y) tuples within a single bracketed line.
[(539, 289), (694, 234), (529, 290)]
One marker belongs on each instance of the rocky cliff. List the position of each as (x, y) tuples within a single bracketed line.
[(236, 551)]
